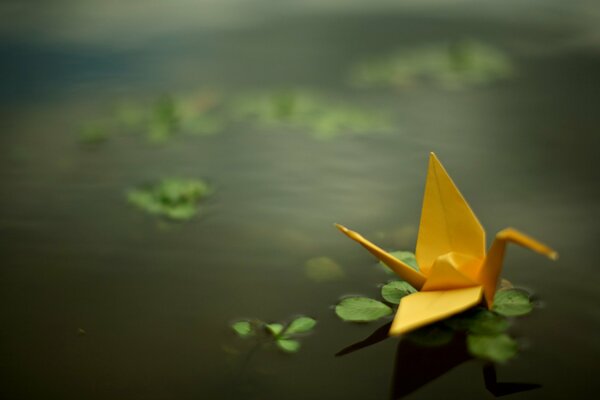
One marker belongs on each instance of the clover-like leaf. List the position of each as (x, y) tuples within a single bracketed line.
[(288, 345), (274, 329), (300, 325), (512, 303), (431, 335), (243, 328), (394, 291), (361, 309), (498, 348)]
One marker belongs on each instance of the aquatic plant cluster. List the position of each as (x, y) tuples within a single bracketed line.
[(308, 111), (159, 121), (207, 113), (321, 115), (284, 336), (485, 330), (173, 198), (456, 66)]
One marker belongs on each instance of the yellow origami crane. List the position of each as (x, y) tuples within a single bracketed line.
[(455, 272)]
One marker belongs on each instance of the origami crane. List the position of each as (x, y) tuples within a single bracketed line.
[(455, 273)]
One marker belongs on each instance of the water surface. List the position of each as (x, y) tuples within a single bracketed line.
[(155, 300)]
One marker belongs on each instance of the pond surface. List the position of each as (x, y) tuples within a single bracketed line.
[(99, 300)]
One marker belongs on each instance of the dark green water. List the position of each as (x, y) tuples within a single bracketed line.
[(155, 301)]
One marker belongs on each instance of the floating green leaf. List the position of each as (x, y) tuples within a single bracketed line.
[(361, 309), (323, 269), (431, 335), (288, 345), (275, 329), (174, 198), (243, 328), (478, 321), (396, 290), (512, 302), (498, 348), (300, 325)]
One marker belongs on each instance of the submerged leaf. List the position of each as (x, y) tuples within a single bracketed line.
[(323, 269), (431, 335), (300, 325), (243, 328), (512, 303), (361, 309), (478, 321), (396, 290), (498, 348)]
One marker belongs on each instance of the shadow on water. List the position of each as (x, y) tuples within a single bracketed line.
[(425, 364)]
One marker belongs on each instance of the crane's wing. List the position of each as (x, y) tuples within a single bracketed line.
[(404, 271), (447, 222), (422, 308)]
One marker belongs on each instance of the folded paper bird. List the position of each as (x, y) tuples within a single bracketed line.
[(454, 271)]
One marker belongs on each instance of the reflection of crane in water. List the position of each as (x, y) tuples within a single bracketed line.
[(416, 366)]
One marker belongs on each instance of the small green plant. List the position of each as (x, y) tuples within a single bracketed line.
[(284, 336), (485, 330), (176, 199)]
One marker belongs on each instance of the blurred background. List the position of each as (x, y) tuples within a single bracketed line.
[(168, 167)]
